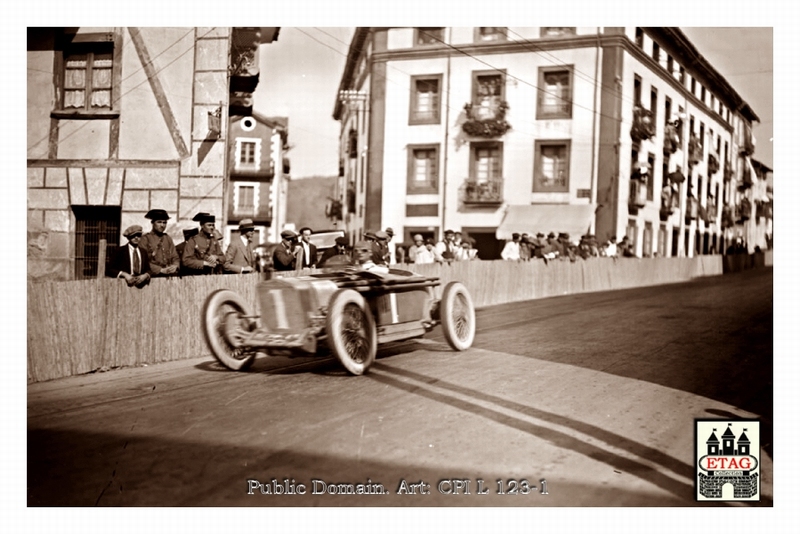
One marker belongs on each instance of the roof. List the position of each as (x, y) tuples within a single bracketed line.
[(728, 433), (692, 58), (356, 46)]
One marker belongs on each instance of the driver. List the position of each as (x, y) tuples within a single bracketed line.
[(362, 256)]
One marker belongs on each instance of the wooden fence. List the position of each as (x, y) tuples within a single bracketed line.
[(81, 326)]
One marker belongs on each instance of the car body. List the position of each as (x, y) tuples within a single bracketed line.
[(349, 310)]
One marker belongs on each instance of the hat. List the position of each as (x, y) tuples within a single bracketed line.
[(418, 237), (341, 241), (303, 229), (390, 231), (157, 215), (446, 232), (369, 234), (515, 236), (204, 217), (246, 224), (550, 235), (381, 235), (288, 234), (132, 230), (539, 234), (188, 233)]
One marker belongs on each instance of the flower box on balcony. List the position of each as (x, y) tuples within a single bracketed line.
[(484, 193), (744, 210), (695, 150), (727, 174), (672, 139), (486, 121), (638, 195), (727, 217), (691, 209), (643, 125), (713, 164)]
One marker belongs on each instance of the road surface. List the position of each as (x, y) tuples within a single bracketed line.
[(596, 394)]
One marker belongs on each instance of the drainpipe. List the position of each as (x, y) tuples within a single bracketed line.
[(446, 141), (595, 134)]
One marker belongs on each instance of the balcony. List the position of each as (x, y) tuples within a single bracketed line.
[(695, 150), (692, 208), (483, 193), (643, 127), (672, 139), (713, 164), (486, 120), (638, 195)]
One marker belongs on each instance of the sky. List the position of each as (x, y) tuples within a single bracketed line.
[(300, 76)]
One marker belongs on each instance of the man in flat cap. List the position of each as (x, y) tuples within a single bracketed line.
[(309, 248), (340, 249), (164, 259), (284, 258), (203, 252), (130, 261), (240, 256)]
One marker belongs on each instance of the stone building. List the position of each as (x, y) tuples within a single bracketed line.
[(123, 120)]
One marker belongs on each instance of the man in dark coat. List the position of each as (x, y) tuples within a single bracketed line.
[(284, 258), (130, 261), (164, 259), (202, 253), (339, 250)]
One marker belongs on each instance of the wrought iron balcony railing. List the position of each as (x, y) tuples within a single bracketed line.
[(485, 192)]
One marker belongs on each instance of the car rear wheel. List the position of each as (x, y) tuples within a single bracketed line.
[(226, 321), (458, 316), (350, 326)]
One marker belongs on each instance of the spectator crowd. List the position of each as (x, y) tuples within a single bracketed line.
[(154, 254)]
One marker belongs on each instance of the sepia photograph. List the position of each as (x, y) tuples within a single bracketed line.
[(439, 268)]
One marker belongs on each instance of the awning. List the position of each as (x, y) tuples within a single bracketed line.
[(573, 219)]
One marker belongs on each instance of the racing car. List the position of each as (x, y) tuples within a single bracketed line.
[(348, 311)]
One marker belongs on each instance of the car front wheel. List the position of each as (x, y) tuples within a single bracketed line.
[(226, 321), (458, 316), (351, 331)]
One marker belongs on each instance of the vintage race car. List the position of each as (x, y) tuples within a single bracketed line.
[(350, 311)]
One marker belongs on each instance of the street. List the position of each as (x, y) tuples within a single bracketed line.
[(596, 394)]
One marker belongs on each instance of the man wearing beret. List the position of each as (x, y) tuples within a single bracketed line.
[(240, 256), (130, 261), (340, 249), (164, 259), (203, 253), (284, 258)]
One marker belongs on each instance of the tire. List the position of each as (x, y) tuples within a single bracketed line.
[(224, 326), (350, 327), (458, 316)]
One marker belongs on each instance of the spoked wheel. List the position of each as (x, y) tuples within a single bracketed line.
[(351, 331), (458, 316), (225, 324)]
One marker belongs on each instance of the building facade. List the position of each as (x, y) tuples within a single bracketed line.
[(610, 131), (258, 173), (121, 121)]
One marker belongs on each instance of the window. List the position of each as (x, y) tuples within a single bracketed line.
[(693, 85), (651, 160), (703, 94), (88, 76), (720, 108), (93, 223), (682, 75), (637, 90), (486, 162), (555, 93), (556, 32), (667, 108), (551, 167), (670, 64), (654, 102), (245, 198), (639, 37), (490, 34), (423, 169), (428, 36), (656, 51), (647, 240), (425, 102), (248, 154), (703, 136), (662, 240), (488, 92)]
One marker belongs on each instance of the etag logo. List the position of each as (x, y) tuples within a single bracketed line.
[(727, 454)]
